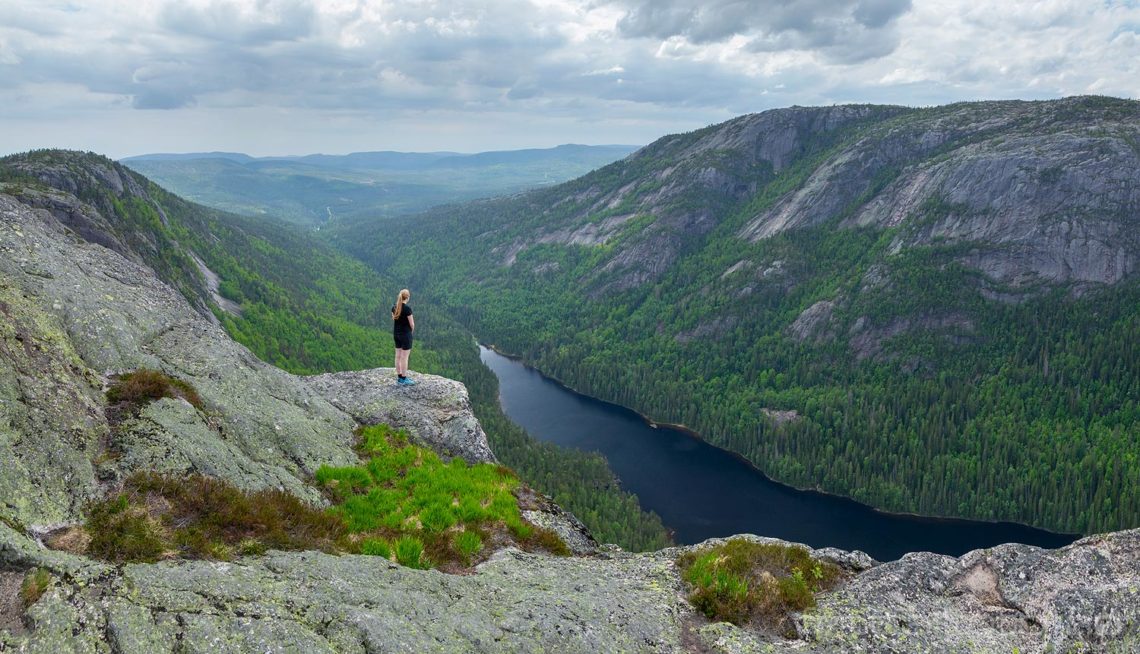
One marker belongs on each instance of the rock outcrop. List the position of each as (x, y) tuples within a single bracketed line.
[(1012, 598), (1042, 196), (436, 411)]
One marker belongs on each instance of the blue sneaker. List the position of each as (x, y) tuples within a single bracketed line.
[(402, 381), (408, 381)]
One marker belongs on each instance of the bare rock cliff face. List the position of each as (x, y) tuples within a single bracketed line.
[(1042, 196), (682, 186)]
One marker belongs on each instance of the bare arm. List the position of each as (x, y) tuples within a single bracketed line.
[(412, 322)]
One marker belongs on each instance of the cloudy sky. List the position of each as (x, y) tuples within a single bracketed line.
[(125, 77)]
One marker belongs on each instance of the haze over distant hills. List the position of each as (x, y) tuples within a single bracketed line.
[(313, 189)]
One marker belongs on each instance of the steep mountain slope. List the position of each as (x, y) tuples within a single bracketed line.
[(76, 314), (929, 310), (315, 189), (294, 302)]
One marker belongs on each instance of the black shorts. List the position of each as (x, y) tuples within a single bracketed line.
[(403, 341)]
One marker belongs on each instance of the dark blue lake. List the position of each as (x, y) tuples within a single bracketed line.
[(701, 491)]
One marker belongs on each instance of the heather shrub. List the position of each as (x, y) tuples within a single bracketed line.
[(741, 581)]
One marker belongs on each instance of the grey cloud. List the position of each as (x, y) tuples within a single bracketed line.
[(644, 80), (845, 31), (162, 99), (524, 91), (273, 20), (877, 13)]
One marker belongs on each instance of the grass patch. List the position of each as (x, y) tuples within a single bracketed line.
[(410, 553), (469, 543), (431, 512), (742, 582), (403, 503), (155, 517), (376, 547), (34, 586), (134, 390)]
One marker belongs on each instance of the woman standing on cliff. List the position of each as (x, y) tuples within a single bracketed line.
[(402, 327)]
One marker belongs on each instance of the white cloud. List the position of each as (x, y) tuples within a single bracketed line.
[(556, 70)]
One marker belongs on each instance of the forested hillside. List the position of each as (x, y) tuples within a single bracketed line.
[(928, 310), (305, 307)]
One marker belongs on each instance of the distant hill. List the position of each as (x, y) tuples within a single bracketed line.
[(173, 156), (929, 310), (386, 160), (586, 155), (312, 190)]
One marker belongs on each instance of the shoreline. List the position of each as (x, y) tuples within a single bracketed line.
[(687, 431)]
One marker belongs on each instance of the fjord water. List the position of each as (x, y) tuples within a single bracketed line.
[(701, 491)]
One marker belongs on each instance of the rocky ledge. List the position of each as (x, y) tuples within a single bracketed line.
[(436, 411), (1012, 598)]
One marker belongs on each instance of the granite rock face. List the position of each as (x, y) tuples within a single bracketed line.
[(86, 313), (1034, 193), (1012, 598), (1084, 597), (436, 411), (682, 186), (1044, 196)]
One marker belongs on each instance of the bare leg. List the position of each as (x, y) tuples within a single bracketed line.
[(398, 362)]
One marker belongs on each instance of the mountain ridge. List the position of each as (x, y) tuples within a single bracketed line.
[(933, 273)]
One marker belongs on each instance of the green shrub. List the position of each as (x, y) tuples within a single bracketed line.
[(123, 531), (252, 547), (138, 388), (410, 553), (741, 581), (719, 593), (34, 586), (403, 502)]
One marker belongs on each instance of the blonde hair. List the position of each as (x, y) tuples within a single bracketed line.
[(404, 296)]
